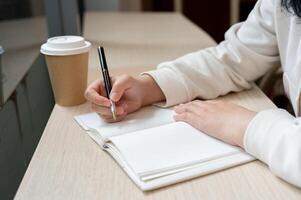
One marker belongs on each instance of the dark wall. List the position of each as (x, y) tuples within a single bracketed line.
[(158, 5), (245, 9), (13, 9), (212, 16)]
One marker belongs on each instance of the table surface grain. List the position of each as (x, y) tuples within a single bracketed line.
[(67, 164)]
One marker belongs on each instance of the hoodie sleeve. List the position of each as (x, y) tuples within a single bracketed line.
[(274, 137), (249, 51)]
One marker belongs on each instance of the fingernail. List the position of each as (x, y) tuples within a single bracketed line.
[(113, 96)]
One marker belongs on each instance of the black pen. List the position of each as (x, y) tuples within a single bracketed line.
[(106, 78)]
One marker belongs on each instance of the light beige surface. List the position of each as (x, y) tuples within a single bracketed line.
[(136, 40), (69, 165)]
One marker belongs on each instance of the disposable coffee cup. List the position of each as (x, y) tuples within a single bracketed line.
[(67, 61)]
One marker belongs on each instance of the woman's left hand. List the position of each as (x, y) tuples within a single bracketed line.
[(222, 120)]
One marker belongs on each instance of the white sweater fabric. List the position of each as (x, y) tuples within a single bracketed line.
[(270, 37)]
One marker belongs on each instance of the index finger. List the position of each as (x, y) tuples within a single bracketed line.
[(93, 94)]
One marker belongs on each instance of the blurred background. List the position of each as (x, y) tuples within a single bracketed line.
[(26, 24), (26, 98)]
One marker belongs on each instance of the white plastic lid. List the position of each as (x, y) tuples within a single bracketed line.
[(65, 45)]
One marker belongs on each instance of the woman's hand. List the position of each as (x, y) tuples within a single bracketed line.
[(222, 120), (127, 92)]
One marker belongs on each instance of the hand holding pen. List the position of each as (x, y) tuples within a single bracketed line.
[(127, 93)]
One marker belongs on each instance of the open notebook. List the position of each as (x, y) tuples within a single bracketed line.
[(156, 151)]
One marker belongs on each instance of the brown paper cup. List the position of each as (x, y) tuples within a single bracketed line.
[(68, 75), (67, 61)]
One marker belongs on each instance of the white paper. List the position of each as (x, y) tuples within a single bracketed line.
[(206, 168), (169, 147), (147, 117), (152, 175)]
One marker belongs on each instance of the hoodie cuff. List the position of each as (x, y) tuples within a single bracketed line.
[(172, 86), (262, 131)]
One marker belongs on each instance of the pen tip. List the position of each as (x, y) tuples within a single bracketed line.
[(114, 116)]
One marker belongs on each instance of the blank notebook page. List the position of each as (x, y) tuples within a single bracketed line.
[(168, 147), (146, 117)]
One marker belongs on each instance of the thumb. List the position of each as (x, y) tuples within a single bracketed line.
[(121, 84)]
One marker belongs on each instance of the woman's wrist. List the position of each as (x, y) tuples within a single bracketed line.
[(150, 90), (245, 121)]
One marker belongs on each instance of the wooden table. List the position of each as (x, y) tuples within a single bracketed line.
[(68, 165)]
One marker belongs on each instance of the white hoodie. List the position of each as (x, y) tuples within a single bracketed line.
[(270, 37)]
